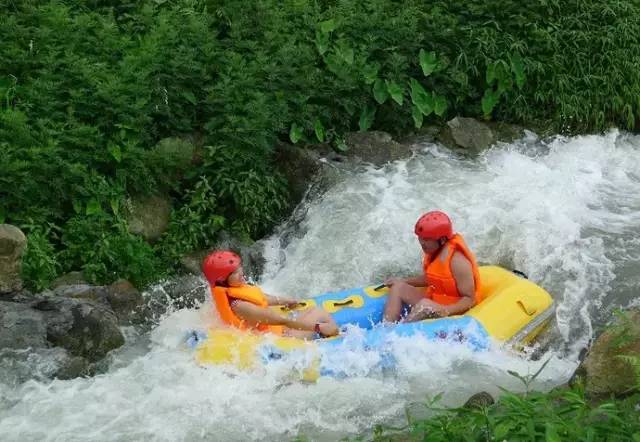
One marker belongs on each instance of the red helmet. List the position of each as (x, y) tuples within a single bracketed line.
[(434, 225), (219, 265)]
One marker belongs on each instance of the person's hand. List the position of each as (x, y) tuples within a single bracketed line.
[(327, 329), (291, 303), (390, 281)]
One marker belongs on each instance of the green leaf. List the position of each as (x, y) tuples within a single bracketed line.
[(188, 95), (322, 42), (380, 91), (340, 145), (319, 129), (370, 73), (367, 117), (396, 91), (418, 118), (491, 74), (295, 133), (439, 105), (517, 67), (115, 152), (77, 206), (93, 207), (345, 52), (550, 434), (489, 101), (428, 62), (327, 26), (421, 98), (115, 206)]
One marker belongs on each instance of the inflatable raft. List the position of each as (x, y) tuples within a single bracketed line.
[(513, 311)]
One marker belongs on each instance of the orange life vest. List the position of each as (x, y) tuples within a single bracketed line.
[(437, 269), (247, 293)]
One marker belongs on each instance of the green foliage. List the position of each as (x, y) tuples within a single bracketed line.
[(561, 415), (39, 264), (89, 88)]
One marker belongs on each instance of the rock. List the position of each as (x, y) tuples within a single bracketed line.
[(72, 367), (252, 259), (506, 132), (125, 301), (12, 245), (178, 152), (376, 147), (83, 328), (468, 134), (186, 291), (71, 278), (81, 291), (21, 327), (299, 166), (148, 216), (603, 371), (480, 400)]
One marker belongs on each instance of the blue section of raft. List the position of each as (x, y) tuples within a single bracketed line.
[(367, 314)]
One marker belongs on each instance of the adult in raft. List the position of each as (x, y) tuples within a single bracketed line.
[(246, 306), (450, 281)]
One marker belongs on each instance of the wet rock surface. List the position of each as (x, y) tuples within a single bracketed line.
[(12, 246)]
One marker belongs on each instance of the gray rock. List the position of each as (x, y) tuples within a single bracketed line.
[(82, 291), (603, 371), (299, 166), (72, 367), (12, 245), (468, 134), (148, 216), (71, 278), (21, 327), (125, 301), (84, 328), (376, 147), (252, 259)]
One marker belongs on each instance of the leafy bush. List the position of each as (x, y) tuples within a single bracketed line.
[(556, 416), (89, 87)]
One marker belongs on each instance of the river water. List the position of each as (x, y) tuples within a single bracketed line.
[(566, 211)]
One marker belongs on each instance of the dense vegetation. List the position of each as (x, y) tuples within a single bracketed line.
[(89, 87), (561, 415)]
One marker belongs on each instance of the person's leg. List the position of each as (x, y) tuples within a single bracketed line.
[(398, 293), (311, 317)]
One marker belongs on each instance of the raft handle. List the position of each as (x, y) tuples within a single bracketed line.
[(529, 312), (380, 287), (343, 303)]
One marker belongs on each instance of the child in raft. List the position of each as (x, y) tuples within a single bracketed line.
[(246, 306)]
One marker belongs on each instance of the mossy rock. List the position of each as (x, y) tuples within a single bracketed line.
[(605, 372)]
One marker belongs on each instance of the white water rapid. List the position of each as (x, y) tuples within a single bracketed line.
[(566, 211)]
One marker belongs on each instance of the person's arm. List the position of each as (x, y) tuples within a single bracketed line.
[(416, 281), (255, 315), (280, 300)]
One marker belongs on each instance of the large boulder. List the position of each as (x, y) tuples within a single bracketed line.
[(126, 301), (605, 371), (121, 297), (252, 260), (469, 134), (84, 328), (21, 327), (12, 245), (376, 147), (71, 278), (299, 166), (148, 216)]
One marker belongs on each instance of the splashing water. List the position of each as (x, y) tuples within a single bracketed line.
[(566, 212)]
